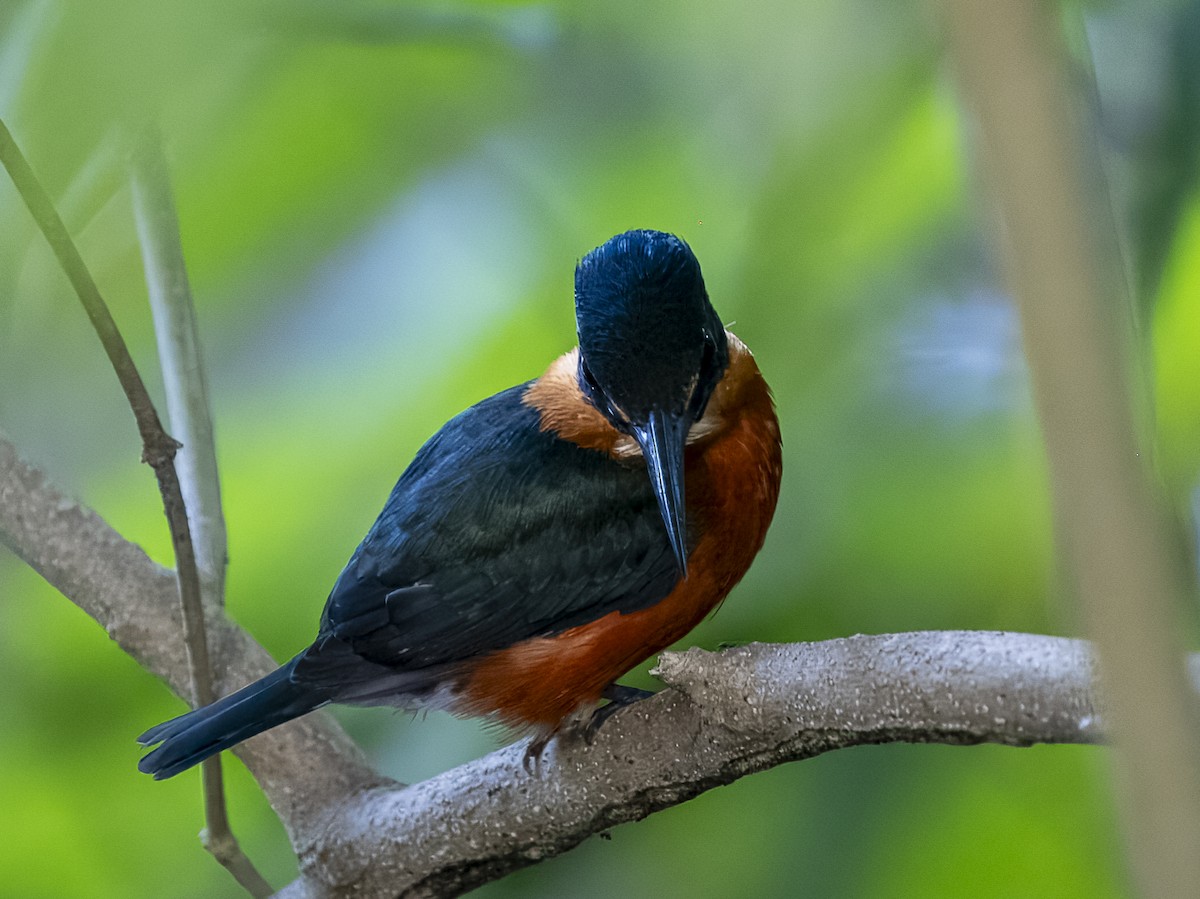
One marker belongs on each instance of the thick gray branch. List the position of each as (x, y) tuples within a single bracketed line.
[(303, 767), (724, 715)]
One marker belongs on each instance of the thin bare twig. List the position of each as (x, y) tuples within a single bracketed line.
[(188, 409), (158, 447), (1118, 551)]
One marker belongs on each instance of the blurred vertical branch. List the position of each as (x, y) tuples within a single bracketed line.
[(184, 378), (1171, 168), (1118, 550), (188, 407)]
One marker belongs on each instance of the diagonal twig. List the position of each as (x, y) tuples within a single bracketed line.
[(188, 409), (158, 450)]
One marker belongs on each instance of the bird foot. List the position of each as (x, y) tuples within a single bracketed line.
[(531, 759), (619, 696)]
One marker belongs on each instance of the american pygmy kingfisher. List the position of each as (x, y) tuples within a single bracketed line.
[(551, 537)]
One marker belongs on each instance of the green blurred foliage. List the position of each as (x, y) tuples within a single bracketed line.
[(381, 207)]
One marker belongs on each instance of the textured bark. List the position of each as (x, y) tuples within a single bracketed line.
[(304, 767), (723, 715)]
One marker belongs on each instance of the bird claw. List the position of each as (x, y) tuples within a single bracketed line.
[(619, 696), (531, 759)]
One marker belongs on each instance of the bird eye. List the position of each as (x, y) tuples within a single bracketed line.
[(711, 367), (596, 395), (708, 360)]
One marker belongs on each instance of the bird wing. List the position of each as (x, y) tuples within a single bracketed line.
[(498, 532)]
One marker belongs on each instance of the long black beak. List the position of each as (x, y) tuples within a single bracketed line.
[(662, 440)]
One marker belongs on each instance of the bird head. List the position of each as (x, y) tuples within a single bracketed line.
[(651, 351)]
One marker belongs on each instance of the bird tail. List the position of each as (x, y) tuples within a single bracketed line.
[(194, 736)]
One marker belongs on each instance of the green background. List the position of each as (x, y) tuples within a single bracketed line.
[(382, 205)]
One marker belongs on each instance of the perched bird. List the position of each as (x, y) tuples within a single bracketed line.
[(551, 537)]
